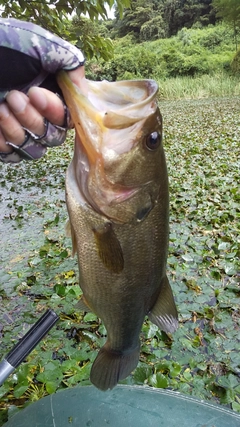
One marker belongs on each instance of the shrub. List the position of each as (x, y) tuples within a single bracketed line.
[(235, 64), (153, 30), (137, 62), (193, 52)]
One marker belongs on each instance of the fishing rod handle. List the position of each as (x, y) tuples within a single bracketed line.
[(27, 343)]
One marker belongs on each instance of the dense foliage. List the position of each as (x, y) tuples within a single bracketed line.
[(235, 65), (192, 52), (165, 17), (54, 16), (229, 11), (202, 357)]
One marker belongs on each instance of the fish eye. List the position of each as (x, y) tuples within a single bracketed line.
[(153, 140)]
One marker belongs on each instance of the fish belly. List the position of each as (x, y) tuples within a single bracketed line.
[(120, 299)]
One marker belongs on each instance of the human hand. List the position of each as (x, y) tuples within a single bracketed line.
[(39, 119), (21, 111)]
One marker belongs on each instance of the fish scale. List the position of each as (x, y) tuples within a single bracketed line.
[(119, 221)]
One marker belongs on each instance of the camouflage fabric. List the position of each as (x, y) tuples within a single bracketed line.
[(30, 39), (35, 146), (51, 54)]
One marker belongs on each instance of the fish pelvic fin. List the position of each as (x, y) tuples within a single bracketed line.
[(82, 305), (164, 313), (109, 248), (70, 233), (112, 366)]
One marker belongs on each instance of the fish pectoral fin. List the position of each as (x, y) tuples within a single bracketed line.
[(164, 313), (82, 305), (109, 248), (111, 366), (70, 233)]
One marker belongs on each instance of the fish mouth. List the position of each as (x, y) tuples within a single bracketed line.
[(82, 112), (106, 107)]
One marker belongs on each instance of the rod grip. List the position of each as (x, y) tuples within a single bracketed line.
[(30, 340)]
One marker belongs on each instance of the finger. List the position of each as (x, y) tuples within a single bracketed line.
[(78, 77), (24, 112), (4, 148), (48, 104), (11, 129)]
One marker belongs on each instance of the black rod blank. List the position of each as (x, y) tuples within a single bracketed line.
[(27, 343)]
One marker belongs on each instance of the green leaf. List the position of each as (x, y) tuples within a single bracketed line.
[(22, 374), (60, 290), (141, 373), (187, 375), (236, 406), (228, 397), (19, 390), (90, 317), (51, 387), (158, 380), (4, 389), (175, 370), (51, 373)]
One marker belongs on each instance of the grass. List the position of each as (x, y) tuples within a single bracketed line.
[(36, 269), (206, 86)]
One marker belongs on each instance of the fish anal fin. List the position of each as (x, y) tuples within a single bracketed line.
[(164, 313), (69, 231), (111, 366), (82, 305), (109, 248)]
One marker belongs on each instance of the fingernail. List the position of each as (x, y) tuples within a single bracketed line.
[(16, 101), (4, 111)]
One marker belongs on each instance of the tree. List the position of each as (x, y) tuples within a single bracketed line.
[(235, 64), (153, 29), (229, 11), (54, 16), (138, 15), (91, 37), (152, 19), (184, 13)]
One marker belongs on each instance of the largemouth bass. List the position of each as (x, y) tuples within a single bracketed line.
[(117, 200)]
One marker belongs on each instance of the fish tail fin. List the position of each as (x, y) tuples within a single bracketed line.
[(112, 366)]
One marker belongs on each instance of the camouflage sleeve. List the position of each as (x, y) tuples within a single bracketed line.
[(30, 56), (48, 53)]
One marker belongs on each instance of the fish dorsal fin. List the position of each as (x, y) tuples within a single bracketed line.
[(164, 312), (70, 233), (109, 248)]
